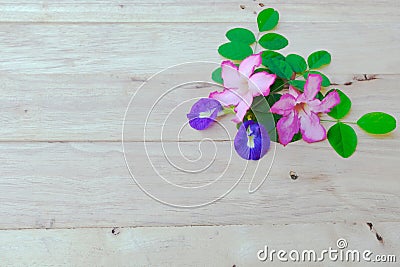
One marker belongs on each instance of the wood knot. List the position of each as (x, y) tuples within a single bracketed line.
[(293, 175)]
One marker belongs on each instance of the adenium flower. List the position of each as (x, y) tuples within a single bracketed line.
[(242, 84), (203, 113), (252, 140), (300, 111)]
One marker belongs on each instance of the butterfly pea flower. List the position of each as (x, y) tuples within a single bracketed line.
[(252, 140), (204, 113), (300, 111), (241, 84)]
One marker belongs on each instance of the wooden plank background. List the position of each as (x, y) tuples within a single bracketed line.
[(68, 70)]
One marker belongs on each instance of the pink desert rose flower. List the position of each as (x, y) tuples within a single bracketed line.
[(300, 111), (242, 84)]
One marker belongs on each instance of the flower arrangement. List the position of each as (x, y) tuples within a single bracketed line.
[(279, 98)]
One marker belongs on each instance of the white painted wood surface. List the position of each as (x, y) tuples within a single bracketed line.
[(189, 246), (67, 72)]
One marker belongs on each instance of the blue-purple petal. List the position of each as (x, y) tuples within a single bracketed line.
[(204, 113), (252, 140)]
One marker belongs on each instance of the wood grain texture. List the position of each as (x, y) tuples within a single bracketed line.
[(47, 185), (198, 11), (68, 70), (144, 49), (51, 107), (190, 246)]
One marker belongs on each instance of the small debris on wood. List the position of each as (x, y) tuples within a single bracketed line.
[(380, 239), (348, 83), (293, 175), (242, 6), (365, 77), (261, 4), (115, 231)]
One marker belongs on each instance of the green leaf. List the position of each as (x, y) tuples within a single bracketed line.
[(216, 76), (325, 80), (319, 96), (298, 84), (343, 139), (260, 109), (377, 123), (267, 19), (273, 41), (235, 50), (241, 35), (277, 85), (297, 63), (280, 68), (267, 55), (268, 120), (261, 70), (296, 137), (264, 103), (318, 59), (343, 108), (272, 99)]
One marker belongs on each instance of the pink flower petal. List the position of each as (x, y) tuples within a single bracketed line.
[(287, 127), (311, 128), (293, 92), (249, 64), (226, 97), (312, 86), (242, 107), (330, 100), (284, 106), (230, 75), (260, 82)]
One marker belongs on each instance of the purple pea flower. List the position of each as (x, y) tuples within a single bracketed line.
[(203, 113), (252, 140)]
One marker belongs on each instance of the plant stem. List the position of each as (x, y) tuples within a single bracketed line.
[(348, 122)]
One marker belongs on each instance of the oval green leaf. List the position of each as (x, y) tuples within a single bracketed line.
[(343, 139), (297, 63), (298, 84), (325, 80), (267, 55), (267, 19), (241, 35), (273, 41), (277, 85), (216, 76), (260, 108), (377, 123), (280, 68), (318, 59), (343, 108), (235, 50), (262, 70)]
